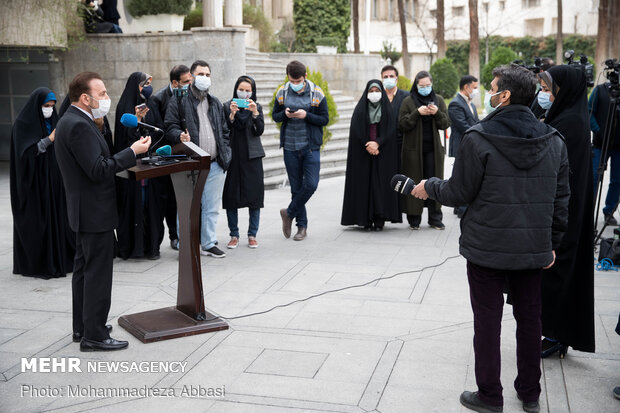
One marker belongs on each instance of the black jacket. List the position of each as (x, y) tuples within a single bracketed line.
[(216, 117), (88, 172), (512, 171), (461, 119), (161, 99)]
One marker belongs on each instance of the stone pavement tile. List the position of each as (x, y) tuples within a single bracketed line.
[(608, 292), (155, 404), (334, 303), (7, 334), (592, 394), (454, 313), (268, 407), (326, 391), (287, 363), (384, 308), (30, 341), (9, 360), (433, 351), (410, 399)]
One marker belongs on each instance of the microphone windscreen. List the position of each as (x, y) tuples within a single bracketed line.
[(402, 184), (129, 120), (164, 150)]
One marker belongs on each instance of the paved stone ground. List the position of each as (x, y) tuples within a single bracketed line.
[(398, 345)]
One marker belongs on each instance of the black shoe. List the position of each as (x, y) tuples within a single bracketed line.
[(617, 392), (530, 407), (549, 347), (109, 344), (174, 244), (472, 401), (610, 220), (154, 257), (213, 252), (77, 337), (438, 225), (368, 227)]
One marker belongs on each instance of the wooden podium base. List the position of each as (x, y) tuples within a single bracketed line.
[(167, 323)]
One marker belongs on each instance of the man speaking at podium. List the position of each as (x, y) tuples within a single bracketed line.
[(88, 173)]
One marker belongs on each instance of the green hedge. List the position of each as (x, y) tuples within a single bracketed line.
[(501, 56), (317, 79), (445, 78), (139, 8), (316, 19), (404, 83)]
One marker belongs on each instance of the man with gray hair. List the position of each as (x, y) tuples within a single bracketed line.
[(512, 171)]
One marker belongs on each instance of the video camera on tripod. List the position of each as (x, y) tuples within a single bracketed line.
[(586, 67), (535, 68), (612, 73)]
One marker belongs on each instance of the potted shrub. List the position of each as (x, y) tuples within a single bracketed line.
[(158, 15), (327, 45)]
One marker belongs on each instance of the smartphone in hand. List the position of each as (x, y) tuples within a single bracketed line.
[(241, 103), (141, 106)]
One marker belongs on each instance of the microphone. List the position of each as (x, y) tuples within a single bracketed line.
[(131, 121), (165, 150), (402, 184)]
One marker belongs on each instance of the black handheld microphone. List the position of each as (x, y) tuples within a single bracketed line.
[(402, 184)]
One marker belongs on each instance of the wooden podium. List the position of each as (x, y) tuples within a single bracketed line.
[(189, 316)]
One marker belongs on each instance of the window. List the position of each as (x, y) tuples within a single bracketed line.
[(460, 11), (534, 27), (375, 9), (502, 4), (433, 13), (485, 7), (526, 4)]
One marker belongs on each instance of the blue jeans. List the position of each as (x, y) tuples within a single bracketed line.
[(303, 168), (233, 222), (613, 192), (210, 205)]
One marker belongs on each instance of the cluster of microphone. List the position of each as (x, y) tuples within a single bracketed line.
[(402, 184), (164, 154)]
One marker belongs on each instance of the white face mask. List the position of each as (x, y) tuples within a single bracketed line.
[(374, 97), (242, 94), (474, 93), (202, 82), (103, 109), (47, 112)]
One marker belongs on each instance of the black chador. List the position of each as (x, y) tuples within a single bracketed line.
[(568, 286), (368, 198), (43, 244), (140, 229)]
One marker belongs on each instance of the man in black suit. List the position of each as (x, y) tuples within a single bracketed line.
[(463, 115), (180, 79), (88, 174)]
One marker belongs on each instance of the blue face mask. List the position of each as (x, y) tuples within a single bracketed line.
[(184, 87), (147, 91), (297, 87), (389, 82), (543, 100), (425, 90)]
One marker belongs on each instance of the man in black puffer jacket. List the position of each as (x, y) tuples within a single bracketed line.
[(512, 171)]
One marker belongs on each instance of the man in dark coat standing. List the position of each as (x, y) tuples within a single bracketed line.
[(512, 170), (463, 115), (180, 79), (88, 173)]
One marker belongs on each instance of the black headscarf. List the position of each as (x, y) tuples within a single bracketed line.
[(360, 121), (570, 92), (244, 114), (29, 127), (130, 98), (66, 102), (418, 98)]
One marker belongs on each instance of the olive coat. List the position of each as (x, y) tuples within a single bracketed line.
[(410, 124)]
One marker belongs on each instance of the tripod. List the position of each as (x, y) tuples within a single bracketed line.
[(610, 126)]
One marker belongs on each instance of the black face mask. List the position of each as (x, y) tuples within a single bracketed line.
[(147, 91)]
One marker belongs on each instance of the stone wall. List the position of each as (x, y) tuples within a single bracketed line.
[(347, 72), (116, 56)]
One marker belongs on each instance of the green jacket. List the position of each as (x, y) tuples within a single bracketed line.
[(410, 124)]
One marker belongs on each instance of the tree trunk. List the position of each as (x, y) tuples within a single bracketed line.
[(474, 40), (558, 37), (356, 25), (403, 34), (614, 19), (441, 37), (602, 39)]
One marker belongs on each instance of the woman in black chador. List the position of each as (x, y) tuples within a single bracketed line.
[(244, 186), (140, 229), (568, 286), (371, 162), (43, 244)]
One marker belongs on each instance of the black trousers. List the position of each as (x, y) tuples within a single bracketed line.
[(92, 283), (486, 286)]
